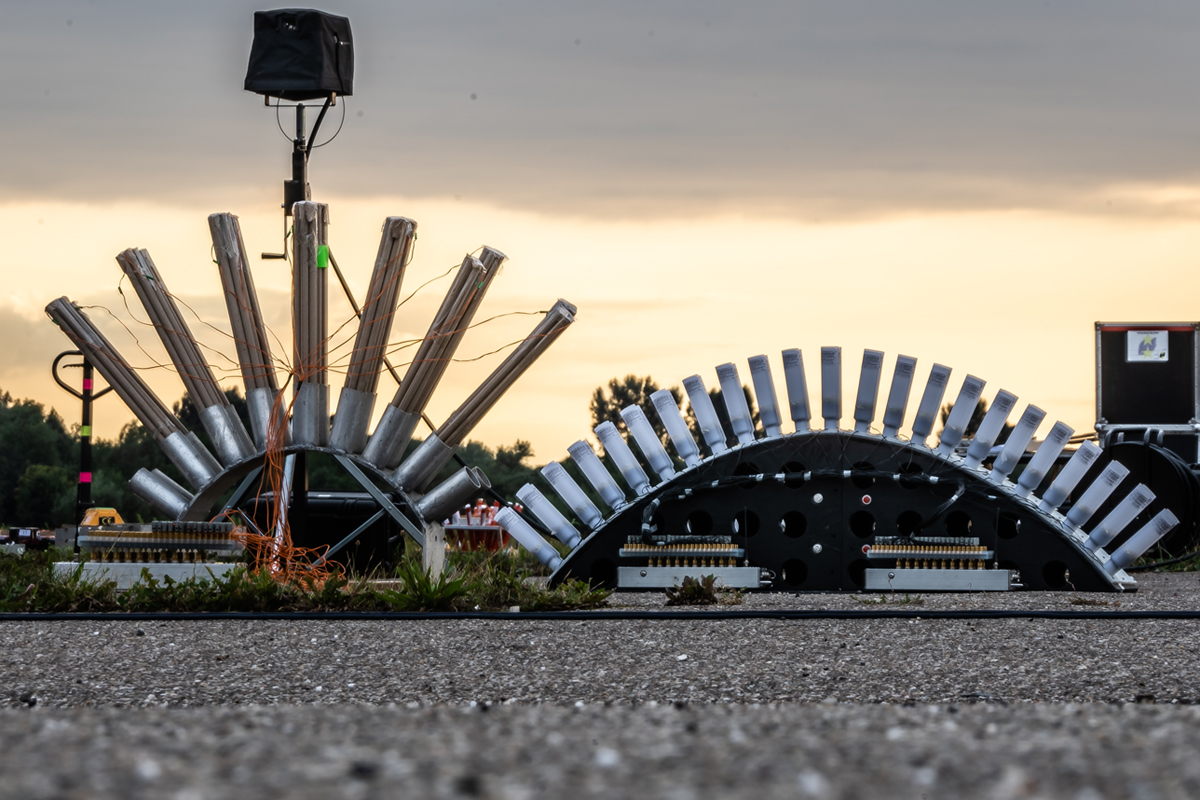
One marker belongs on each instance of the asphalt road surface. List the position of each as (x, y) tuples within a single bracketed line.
[(761, 708)]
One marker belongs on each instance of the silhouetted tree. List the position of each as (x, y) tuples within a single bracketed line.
[(44, 496), (30, 435)]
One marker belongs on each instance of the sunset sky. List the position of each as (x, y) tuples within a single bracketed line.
[(968, 183)]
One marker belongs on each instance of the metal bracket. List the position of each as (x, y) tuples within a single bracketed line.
[(411, 527), (241, 489)]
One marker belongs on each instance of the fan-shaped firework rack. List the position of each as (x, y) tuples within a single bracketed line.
[(835, 509), (280, 429)]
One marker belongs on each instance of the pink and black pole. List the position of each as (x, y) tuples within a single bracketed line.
[(83, 498)]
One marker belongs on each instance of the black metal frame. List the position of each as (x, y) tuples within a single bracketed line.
[(867, 486)]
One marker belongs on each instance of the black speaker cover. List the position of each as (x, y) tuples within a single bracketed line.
[(300, 54)]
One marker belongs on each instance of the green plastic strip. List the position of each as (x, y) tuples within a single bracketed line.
[(323, 256)]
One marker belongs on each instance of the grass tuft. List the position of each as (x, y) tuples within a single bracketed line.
[(692, 592)]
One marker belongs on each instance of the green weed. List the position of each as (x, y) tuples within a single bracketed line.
[(28, 583), (703, 592), (419, 591), (692, 592), (487, 581), (502, 580)]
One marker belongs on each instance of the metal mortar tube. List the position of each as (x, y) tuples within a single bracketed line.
[(386, 446), (438, 347), (135, 394), (230, 439), (183, 455), (160, 492), (351, 420), (441, 501), (310, 414), (417, 471), (172, 330), (258, 403), (241, 299), (467, 416), (202, 451)]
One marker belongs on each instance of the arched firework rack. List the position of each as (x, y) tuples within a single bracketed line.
[(832, 509), (281, 430)]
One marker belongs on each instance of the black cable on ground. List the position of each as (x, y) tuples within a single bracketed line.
[(603, 616)]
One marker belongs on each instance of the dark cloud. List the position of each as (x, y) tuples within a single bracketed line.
[(800, 109)]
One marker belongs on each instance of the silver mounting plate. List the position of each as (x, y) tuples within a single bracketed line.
[(666, 577), (940, 580)]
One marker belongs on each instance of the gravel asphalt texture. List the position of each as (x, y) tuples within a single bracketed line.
[(920, 708)]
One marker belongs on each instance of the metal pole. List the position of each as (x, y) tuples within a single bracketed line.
[(83, 494), (296, 190), (84, 497), (297, 505)]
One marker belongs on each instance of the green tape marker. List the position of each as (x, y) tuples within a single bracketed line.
[(85, 430), (323, 256)]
